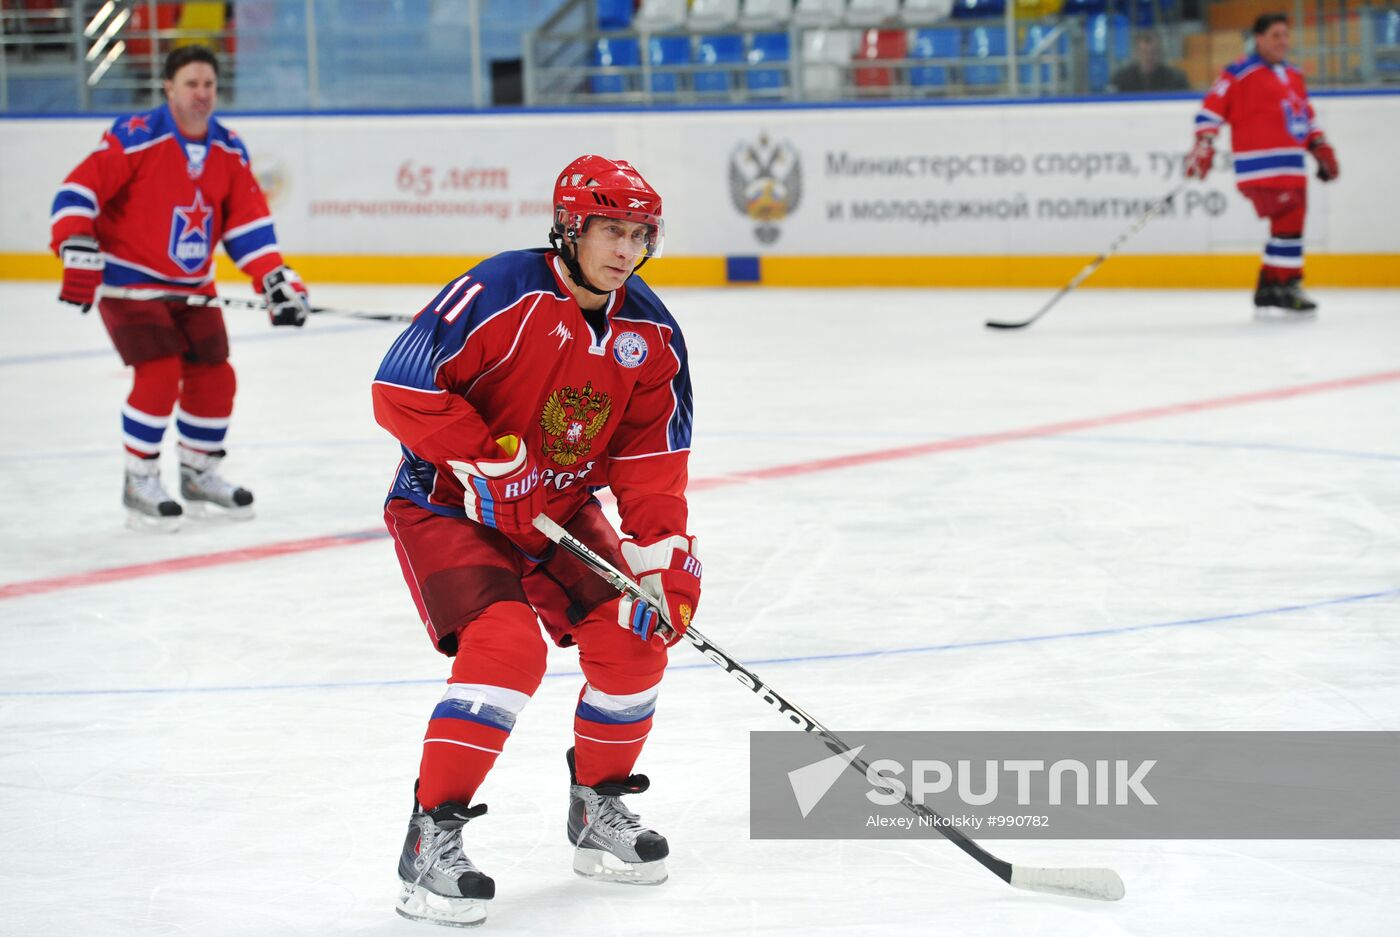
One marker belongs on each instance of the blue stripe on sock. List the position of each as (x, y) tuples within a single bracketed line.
[(139, 430), (594, 714), (201, 433), (485, 715)]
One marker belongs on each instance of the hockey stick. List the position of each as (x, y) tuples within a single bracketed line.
[(1155, 209), (233, 302), (1097, 884)]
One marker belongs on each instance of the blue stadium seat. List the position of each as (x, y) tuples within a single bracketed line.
[(665, 52), (1109, 47), (1035, 34), (978, 9), (614, 14), (934, 44), (1143, 13), (1387, 27), (768, 47), (723, 50), (620, 53), (1084, 7), (985, 42)]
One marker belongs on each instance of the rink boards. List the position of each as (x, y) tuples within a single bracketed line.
[(1009, 194)]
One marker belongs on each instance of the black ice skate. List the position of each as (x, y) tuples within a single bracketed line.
[(1280, 302), (610, 843), (440, 884), (203, 487), (148, 505)]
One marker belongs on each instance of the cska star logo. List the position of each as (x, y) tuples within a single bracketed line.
[(571, 419), (136, 122), (190, 234)]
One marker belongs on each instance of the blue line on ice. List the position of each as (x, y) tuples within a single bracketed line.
[(756, 663)]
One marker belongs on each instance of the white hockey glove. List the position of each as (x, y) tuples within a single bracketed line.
[(669, 569), (285, 295)]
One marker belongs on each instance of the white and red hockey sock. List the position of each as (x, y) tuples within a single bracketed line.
[(154, 387), (609, 732), (206, 403), (499, 664)]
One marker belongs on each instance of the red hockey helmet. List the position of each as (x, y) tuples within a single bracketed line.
[(598, 187)]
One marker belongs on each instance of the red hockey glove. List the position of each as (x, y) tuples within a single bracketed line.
[(1327, 168), (82, 272), (669, 570), (1202, 155), (506, 494), (285, 295)]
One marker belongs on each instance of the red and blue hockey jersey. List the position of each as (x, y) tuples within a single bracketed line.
[(1271, 121), (505, 349), (158, 204)]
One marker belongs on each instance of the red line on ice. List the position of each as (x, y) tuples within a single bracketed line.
[(250, 554)]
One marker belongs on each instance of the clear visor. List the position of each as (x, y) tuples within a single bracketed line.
[(635, 239)]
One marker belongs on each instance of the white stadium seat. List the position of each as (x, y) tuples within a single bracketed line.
[(765, 14), (711, 15), (819, 12), (826, 53), (658, 16), (871, 12), (926, 12)]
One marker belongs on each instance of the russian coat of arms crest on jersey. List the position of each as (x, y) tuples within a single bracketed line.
[(765, 183), (571, 419), (190, 229)]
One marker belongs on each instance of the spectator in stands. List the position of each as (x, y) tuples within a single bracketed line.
[(1147, 71)]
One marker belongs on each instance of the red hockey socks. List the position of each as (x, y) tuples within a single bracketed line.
[(616, 705), (1286, 210), (499, 664), (206, 402), (609, 732), (154, 388)]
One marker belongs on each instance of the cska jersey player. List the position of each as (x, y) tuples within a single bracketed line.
[(1265, 102), (525, 385), (142, 214)]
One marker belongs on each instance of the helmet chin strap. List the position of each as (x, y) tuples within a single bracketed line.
[(570, 258), (568, 252)]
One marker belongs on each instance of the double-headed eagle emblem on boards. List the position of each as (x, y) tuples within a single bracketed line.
[(765, 182), (571, 419)]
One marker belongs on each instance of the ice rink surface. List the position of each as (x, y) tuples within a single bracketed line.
[(1145, 512)]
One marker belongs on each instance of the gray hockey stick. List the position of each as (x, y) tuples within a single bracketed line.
[(233, 302), (1155, 209), (1097, 884)]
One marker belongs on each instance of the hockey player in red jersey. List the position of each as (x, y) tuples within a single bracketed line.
[(143, 213), (1265, 102), (525, 385)]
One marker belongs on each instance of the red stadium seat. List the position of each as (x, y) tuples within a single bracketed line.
[(136, 33), (879, 45)]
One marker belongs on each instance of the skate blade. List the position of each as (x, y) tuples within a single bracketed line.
[(603, 866), (147, 523), (418, 904), (1276, 314), (210, 513)]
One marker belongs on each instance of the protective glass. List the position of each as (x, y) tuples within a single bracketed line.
[(634, 239)]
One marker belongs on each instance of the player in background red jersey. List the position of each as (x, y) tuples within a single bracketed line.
[(527, 383), (143, 212), (1265, 102)]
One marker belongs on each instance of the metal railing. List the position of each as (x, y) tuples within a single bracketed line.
[(560, 67)]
